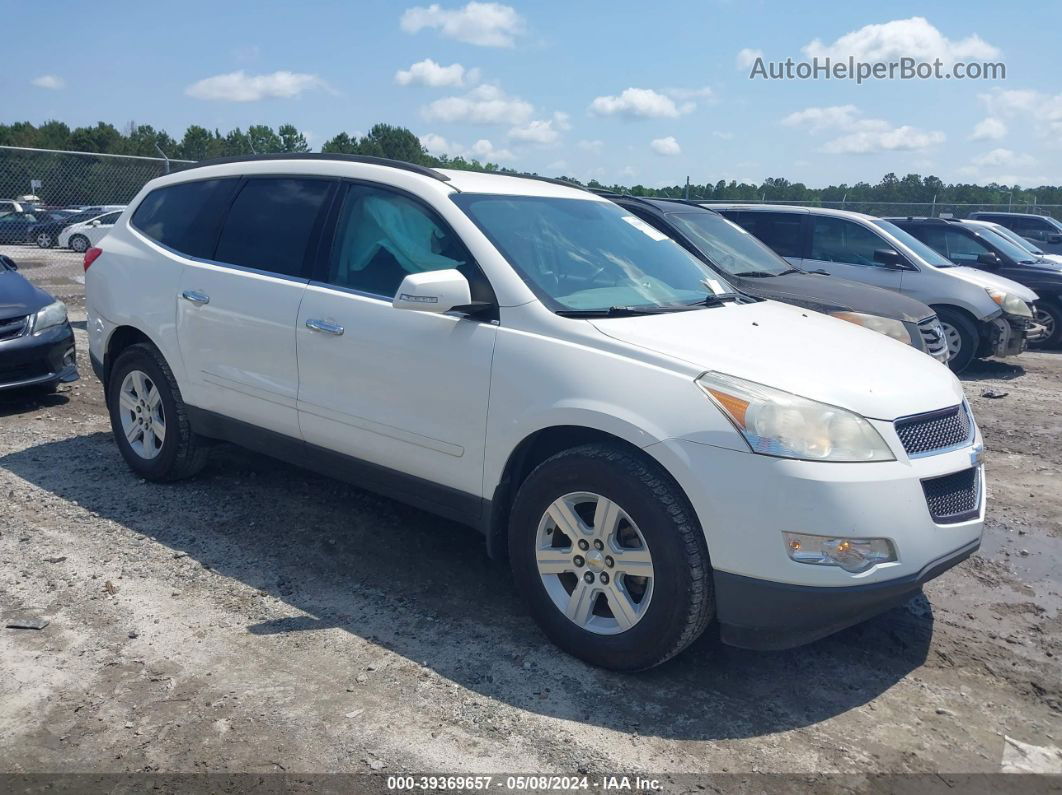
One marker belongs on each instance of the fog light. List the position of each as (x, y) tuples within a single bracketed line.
[(851, 554)]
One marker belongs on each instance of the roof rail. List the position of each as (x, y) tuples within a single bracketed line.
[(375, 161), (554, 180)]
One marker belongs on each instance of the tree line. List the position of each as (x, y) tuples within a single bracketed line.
[(386, 140)]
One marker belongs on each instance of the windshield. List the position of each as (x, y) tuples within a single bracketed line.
[(582, 254), (926, 253), (1016, 253), (1016, 239), (728, 246)]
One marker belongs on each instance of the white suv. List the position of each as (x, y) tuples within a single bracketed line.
[(653, 452)]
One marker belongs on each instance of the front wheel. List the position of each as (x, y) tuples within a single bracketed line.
[(79, 243), (961, 336), (610, 557), (1049, 315), (45, 240)]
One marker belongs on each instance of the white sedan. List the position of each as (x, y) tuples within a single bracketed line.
[(80, 237)]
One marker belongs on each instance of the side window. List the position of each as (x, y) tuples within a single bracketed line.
[(381, 237), (839, 240), (963, 248), (186, 217), (109, 219), (270, 223), (780, 231)]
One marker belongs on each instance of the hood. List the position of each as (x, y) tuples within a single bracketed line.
[(830, 294), (1053, 258), (802, 352), (985, 279), (18, 297)]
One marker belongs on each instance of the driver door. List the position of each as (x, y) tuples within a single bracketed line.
[(401, 389)]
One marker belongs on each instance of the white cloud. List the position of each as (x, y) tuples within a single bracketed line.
[(862, 136), (539, 131), (242, 87), (485, 104), (1043, 110), (1003, 157), (51, 82), (747, 57), (483, 24), (482, 149), (988, 129), (429, 73), (914, 37), (668, 146), (595, 145), (642, 103)]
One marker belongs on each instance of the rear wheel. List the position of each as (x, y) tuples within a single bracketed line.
[(1049, 315), (45, 240), (606, 550), (149, 418), (79, 243), (961, 335)]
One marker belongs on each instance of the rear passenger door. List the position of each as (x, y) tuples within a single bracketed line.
[(237, 310), (846, 249), (401, 389), (782, 232)]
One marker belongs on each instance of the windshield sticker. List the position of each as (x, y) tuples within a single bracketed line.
[(645, 228)]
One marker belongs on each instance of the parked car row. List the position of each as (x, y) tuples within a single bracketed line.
[(596, 383), (76, 228)]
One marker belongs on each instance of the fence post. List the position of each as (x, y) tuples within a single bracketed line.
[(933, 209), (159, 150)]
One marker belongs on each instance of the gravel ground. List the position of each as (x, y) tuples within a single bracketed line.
[(261, 618)]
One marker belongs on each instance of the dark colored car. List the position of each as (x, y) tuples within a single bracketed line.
[(46, 231), (1043, 230), (755, 269), (976, 246), (14, 227), (36, 341)]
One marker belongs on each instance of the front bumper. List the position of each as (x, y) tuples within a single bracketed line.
[(745, 502), (749, 615), (1007, 335), (38, 359)]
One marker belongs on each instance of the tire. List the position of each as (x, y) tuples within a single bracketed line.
[(660, 614), (45, 240), (138, 376), (79, 243), (1049, 313), (962, 337)]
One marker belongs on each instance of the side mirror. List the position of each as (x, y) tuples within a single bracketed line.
[(433, 291), (95, 223), (8, 263), (1054, 239), (989, 260), (890, 259)]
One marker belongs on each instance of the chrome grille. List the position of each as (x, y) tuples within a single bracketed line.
[(921, 434), (953, 498), (14, 327), (933, 337)]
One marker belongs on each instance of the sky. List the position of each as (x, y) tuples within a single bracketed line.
[(627, 92)]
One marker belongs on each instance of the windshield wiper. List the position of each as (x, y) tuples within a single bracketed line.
[(622, 311), (759, 274)]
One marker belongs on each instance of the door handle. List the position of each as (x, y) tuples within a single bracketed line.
[(196, 297), (324, 327)]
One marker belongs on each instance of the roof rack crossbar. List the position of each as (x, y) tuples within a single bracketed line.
[(426, 171)]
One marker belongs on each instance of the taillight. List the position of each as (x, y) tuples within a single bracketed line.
[(90, 256)]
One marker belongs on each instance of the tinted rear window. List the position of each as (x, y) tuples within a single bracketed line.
[(270, 224), (186, 217), (780, 231)]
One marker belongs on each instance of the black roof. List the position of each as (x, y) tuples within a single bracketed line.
[(663, 205)]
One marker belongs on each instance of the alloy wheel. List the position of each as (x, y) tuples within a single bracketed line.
[(142, 413), (953, 338), (44, 240), (79, 243), (1047, 320), (594, 563)]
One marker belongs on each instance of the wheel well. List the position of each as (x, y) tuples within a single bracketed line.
[(531, 452), (122, 338), (978, 325)]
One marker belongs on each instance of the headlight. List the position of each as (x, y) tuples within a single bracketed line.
[(882, 325), (1009, 302), (778, 423), (851, 554), (51, 315)]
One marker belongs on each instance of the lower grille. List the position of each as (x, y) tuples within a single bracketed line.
[(953, 498), (13, 327), (933, 337)]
